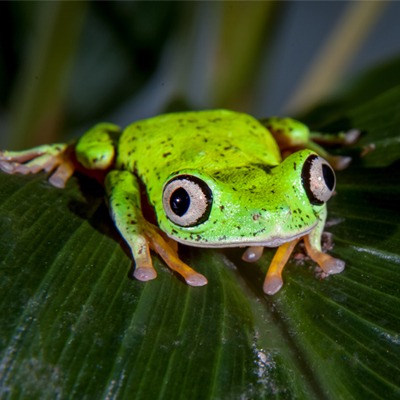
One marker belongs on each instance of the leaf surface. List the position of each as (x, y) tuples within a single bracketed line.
[(74, 325)]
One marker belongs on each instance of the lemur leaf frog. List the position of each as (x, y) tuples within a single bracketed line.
[(214, 178)]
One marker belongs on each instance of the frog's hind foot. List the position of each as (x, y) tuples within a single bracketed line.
[(53, 159)]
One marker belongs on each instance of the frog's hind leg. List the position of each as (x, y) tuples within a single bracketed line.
[(124, 201), (49, 158), (292, 135)]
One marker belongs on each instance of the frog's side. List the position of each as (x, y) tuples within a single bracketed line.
[(214, 178)]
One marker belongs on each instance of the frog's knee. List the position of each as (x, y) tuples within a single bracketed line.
[(287, 132), (96, 148)]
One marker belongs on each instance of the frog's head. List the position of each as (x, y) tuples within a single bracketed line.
[(246, 205)]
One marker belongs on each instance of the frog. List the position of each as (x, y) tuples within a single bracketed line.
[(214, 179)]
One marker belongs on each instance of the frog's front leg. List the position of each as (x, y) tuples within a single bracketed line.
[(312, 241), (292, 135), (273, 279), (54, 158), (123, 192)]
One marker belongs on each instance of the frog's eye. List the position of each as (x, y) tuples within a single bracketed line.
[(187, 200), (318, 179)]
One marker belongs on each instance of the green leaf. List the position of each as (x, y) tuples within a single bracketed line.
[(74, 325)]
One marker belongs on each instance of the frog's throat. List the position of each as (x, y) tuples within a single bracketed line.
[(274, 241)]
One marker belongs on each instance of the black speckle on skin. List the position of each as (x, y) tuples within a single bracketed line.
[(222, 208), (234, 189), (239, 227), (165, 155), (222, 238), (295, 166)]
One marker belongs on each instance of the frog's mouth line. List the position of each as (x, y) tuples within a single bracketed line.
[(241, 242)]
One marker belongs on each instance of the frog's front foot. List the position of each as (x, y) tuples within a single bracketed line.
[(273, 280), (145, 271), (327, 263), (171, 258), (49, 158)]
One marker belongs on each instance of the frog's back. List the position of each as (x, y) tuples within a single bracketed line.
[(197, 140)]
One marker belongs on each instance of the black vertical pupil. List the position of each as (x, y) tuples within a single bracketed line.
[(179, 201), (329, 176)]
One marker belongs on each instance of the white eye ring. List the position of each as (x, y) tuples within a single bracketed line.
[(187, 200), (318, 179)]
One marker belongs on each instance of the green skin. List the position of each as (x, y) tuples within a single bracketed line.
[(258, 199)]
